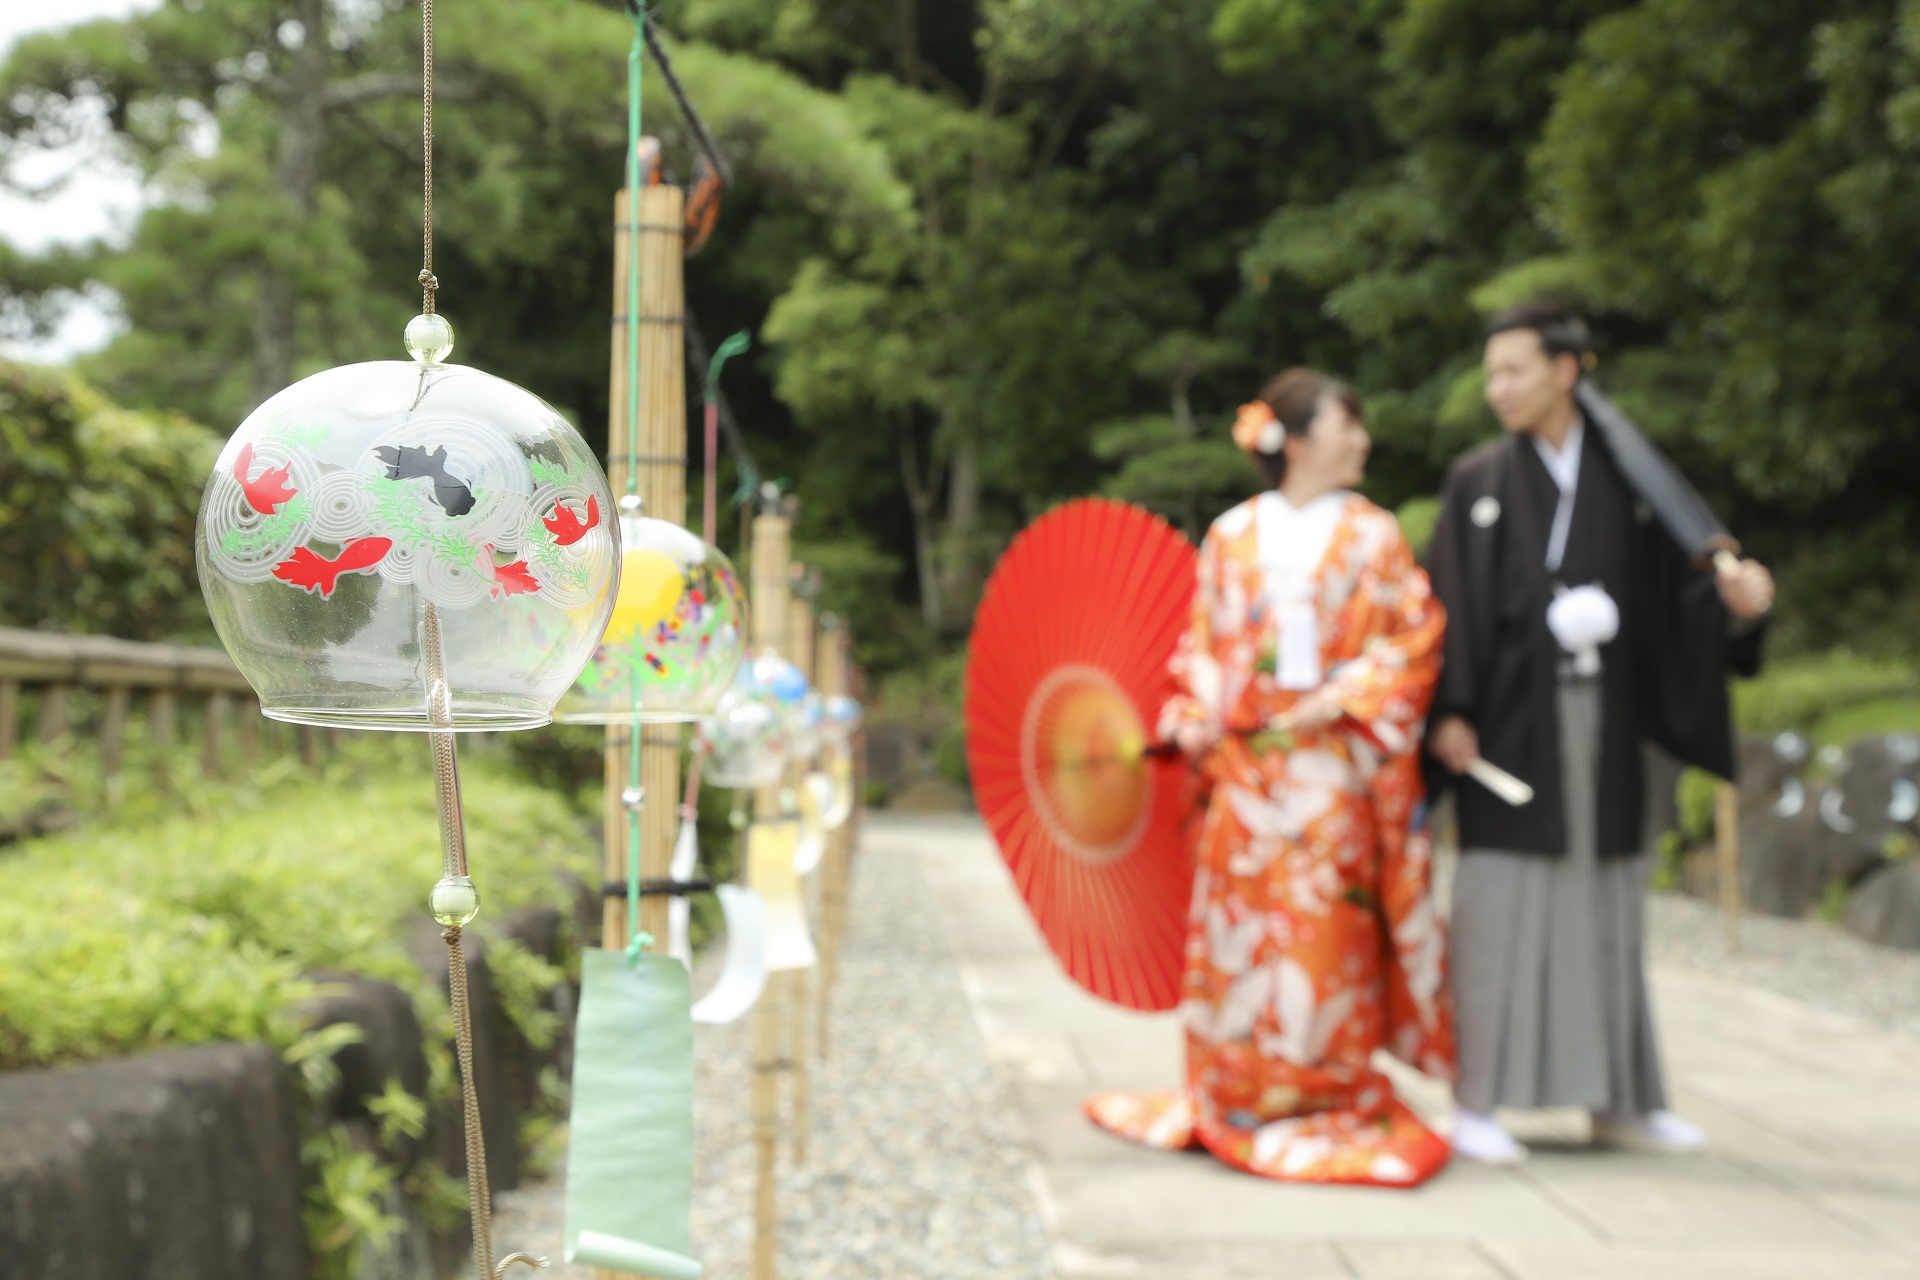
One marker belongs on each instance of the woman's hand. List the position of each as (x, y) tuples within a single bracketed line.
[(1315, 711), (1195, 737)]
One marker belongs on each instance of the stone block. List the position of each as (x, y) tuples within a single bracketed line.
[(1886, 907), (181, 1165)]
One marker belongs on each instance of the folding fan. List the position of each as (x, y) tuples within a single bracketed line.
[(1066, 675)]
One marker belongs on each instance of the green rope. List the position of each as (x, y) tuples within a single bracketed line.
[(636, 940)]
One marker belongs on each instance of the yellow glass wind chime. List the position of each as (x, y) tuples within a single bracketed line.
[(413, 546)]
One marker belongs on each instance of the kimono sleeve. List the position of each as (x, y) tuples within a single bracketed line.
[(1196, 671), (1386, 689), (1456, 691)]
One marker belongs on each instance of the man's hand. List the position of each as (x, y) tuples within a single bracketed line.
[(1454, 743), (1746, 589)]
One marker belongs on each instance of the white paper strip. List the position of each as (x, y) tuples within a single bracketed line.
[(744, 975), (686, 856), (813, 829)]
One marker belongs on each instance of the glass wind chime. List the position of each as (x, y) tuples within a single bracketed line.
[(413, 546)]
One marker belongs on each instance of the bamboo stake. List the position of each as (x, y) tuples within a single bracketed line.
[(768, 609), (830, 676), (1726, 830), (799, 651), (658, 467)]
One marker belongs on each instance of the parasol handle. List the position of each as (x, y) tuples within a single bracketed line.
[(1726, 561)]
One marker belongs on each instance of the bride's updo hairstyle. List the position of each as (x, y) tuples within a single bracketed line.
[(1285, 408)]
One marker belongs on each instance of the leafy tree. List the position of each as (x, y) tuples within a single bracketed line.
[(97, 508)]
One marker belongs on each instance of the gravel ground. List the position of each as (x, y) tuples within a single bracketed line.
[(915, 1167), (1807, 960)]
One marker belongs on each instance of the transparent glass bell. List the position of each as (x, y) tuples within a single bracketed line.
[(676, 635), (353, 501), (744, 740), (794, 699), (841, 720)]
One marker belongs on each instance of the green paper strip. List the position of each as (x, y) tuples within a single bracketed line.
[(630, 1154), (597, 1250)]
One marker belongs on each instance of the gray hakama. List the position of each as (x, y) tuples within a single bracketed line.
[(1549, 983)]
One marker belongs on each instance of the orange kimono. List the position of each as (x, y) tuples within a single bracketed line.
[(1313, 938)]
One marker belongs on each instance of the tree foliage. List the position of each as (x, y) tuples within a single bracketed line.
[(1006, 251)]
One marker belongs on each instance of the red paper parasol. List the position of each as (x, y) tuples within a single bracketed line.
[(1065, 678)]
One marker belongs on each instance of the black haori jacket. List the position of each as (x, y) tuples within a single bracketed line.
[(1664, 677)]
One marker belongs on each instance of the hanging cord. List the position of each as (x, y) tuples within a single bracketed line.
[(701, 134), (429, 284), (446, 768)]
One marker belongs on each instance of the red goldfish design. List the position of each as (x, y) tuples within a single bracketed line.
[(566, 527), (311, 571), (266, 493), (513, 579)]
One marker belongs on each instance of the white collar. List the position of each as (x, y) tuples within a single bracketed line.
[(1563, 464)]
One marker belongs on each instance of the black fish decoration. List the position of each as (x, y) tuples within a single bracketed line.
[(411, 462)]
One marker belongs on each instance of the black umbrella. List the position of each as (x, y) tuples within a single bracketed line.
[(1656, 481)]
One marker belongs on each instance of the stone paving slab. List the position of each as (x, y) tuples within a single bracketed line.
[(1814, 1119)]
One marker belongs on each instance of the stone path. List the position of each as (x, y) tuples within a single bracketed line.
[(915, 1167), (1814, 1118), (948, 1140)]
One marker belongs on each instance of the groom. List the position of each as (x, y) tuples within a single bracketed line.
[(1578, 628)]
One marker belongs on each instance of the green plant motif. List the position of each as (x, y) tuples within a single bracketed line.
[(305, 435), (271, 529), (400, 506), (559, 475)]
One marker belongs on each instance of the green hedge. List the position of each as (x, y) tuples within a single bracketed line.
[(1831, 697), (139, 931)]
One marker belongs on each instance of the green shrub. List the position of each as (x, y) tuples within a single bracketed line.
[(145, 931), (97, 506), (1799, 694)]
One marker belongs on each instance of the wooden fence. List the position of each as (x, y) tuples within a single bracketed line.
[(87, 685)]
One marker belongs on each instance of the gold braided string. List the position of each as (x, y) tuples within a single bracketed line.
[(479, 1197), (453, 851), (428, 283)]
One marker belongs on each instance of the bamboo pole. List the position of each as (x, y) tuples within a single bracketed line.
[(799, 651), (658, 468), (1726, 832), (9, 717), (830, 677), (768, 608)]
